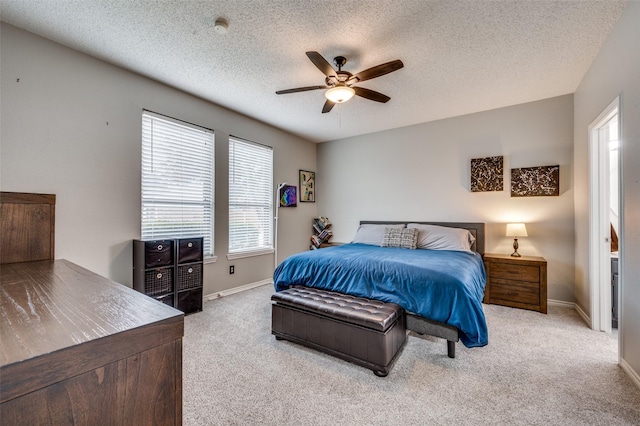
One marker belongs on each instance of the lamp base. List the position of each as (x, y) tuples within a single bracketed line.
[(515, 248)]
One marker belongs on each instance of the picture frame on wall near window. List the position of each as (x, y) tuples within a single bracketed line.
[(307, 186), (288, 196)]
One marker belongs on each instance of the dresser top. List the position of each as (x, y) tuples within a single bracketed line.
[(49, 306)]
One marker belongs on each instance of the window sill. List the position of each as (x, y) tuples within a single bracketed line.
[(233, 256), (211, 259)]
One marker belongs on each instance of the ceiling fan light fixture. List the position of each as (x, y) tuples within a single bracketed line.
[(339, 94)]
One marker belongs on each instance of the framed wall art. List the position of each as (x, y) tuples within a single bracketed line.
[(307, 186), (535, 181), (288, 196), (487, 174)]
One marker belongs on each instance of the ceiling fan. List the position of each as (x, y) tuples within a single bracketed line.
[(340, 84)]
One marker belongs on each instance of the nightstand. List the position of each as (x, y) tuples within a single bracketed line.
[(519, 282)]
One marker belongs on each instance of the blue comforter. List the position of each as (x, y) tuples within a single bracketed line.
[(441, 285)]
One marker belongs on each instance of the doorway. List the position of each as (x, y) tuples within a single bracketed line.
[(605, 224)]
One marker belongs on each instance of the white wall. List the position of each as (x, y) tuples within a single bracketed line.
[(422, 172), (71, 126), (615, 71)]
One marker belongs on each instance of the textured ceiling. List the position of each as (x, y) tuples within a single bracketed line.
[(460, 57)]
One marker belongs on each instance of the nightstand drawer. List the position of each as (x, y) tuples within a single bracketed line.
[(515, 272), (515, 291)]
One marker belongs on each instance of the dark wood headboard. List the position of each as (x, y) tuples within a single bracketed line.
[(27, 227), (476, 229)]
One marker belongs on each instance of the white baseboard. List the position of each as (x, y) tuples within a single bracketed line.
[(234, 290), (561, 303), (578, 309), (635, 377), (583, 315)]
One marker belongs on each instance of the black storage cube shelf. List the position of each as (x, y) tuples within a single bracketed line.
[(189, 250), (170, 270), (190, 301), (158, 253), (189, 276), (158, 282), (167, 300)]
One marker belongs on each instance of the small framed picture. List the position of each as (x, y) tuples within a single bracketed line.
[(307, 186), (288, 196)]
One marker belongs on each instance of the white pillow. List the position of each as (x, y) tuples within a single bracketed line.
[(442, 238), (372, 233)]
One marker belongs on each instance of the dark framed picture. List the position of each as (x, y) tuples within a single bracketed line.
[(307, 186), (543, 181), (288, 196), (486, 174)]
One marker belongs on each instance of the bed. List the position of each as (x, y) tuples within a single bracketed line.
[(440, 290)]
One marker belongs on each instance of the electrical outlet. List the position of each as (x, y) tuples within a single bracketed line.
[(232, 269)]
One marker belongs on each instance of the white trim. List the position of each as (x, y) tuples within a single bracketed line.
[(633, 375), (583, 315), (234, 290), (622, 246), (233, 256), (561, 303), (599, 260), (572, 305), (210, 259)]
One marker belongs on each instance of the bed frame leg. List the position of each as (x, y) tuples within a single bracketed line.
[(451, 349)]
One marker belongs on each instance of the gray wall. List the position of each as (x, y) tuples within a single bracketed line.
[(71, 126), (615, 71), (422, 172)]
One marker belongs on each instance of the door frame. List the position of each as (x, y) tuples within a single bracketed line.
[(599, 219)]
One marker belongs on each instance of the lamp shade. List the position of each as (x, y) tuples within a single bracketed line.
[(339, 94), (516, 230)]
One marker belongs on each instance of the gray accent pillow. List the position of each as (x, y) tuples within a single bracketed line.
[(400, 237)]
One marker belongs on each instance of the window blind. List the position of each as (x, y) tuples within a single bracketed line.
[(177, 180), (250, 196)]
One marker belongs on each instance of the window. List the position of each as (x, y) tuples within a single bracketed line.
[(177, 180), (250, 200)]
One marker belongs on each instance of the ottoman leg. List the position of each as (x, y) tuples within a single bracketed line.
[(380, 373)]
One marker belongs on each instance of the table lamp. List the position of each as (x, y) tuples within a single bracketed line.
[(516, 230)]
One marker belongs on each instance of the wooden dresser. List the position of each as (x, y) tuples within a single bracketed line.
[(519, 282), (78, 348), (27, 227)]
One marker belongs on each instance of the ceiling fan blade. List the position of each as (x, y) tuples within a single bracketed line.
[(377, 71), (322, 64), (371, 94), (300, 89), (328, 105)]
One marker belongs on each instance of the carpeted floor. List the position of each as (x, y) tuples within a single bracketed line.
[(537, 370)]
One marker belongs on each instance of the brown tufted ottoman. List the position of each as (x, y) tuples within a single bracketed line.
[(366, 332)]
